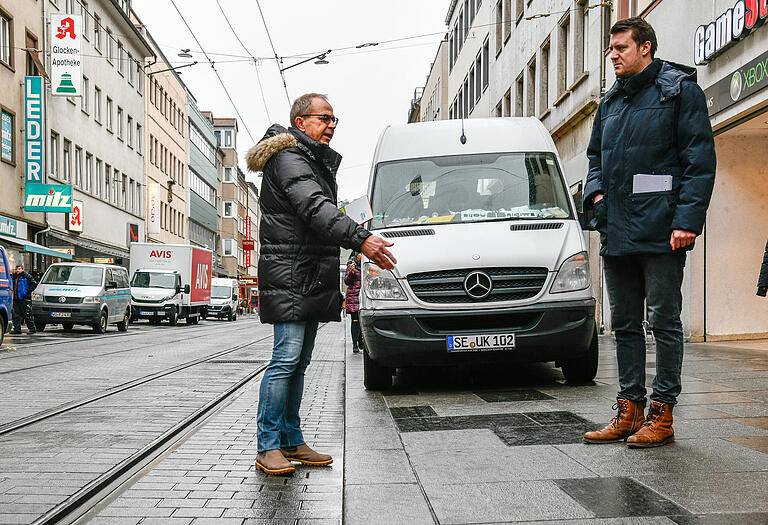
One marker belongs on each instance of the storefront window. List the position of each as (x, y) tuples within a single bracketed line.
[(6, 124)]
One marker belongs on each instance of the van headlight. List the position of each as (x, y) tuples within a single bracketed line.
[(381, 285), (573, 274), (90, 299), (37, 296)]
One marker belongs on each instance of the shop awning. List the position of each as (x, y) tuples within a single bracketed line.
[(90, 245), (29, 246)]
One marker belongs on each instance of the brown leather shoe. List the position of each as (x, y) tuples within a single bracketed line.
[(274, 463), (657, 429), (306, 456), (626, 422)]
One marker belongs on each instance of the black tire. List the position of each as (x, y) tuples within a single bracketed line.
[(584, 368), (3, 327), (67, 326), (375, 377), (193, 319), (234, 317), (101, 325), (40, 326), (173, 317), (122, 326)]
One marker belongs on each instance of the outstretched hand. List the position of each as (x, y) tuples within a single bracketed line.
[(375, 248)]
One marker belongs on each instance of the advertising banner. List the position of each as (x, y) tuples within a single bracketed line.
[(66, 43), (201, 275), (8, 226), (153, 208), (75, 218), (745, 81), (48, 197), (6, 126), (33, 130)]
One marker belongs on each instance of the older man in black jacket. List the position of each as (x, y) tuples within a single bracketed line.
[(651, 173), (300, 232)]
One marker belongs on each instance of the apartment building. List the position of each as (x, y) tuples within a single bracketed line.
[(96, 141), (233, 199)]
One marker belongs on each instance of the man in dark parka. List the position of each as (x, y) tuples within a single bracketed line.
[(300, 232), (651, 173)]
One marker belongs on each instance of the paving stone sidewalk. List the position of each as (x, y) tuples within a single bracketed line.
[(210, 477)]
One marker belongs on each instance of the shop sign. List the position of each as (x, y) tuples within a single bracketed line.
[(48, 197), (247, 259), (742, 83), (133, 233), (8, 226), (153, 208), (247, 244), (75, 218), (66, 251), (6, 125), (66, 67), (33, 129), (248, 227), (104, 260), (731, 26)]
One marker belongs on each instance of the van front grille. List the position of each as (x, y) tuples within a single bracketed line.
[(58, 299), (508, 284), (474, 323)]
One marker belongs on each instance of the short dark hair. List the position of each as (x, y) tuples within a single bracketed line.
[(303, 104), (642, 31)]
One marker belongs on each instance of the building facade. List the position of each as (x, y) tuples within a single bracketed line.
[(233, 201)]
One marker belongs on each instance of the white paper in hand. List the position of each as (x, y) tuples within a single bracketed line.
[(359, 210)]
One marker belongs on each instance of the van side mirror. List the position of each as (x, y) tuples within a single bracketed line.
[(186, 288), (178, 287)]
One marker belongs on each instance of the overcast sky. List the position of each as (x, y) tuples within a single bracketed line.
[(369, 88)]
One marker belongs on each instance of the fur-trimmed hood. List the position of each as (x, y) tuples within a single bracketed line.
[(276, 139)]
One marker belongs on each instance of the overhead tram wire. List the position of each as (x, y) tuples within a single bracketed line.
[(234, 106), (278, 60), (255, 60)]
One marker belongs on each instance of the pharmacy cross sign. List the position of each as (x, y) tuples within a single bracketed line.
[(66, 67)]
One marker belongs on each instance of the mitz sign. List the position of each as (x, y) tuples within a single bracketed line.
[(731, 26), (48, 197), (66, 67)]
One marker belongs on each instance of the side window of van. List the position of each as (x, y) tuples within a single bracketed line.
[(109, 276), (3, 271), (122, 278)]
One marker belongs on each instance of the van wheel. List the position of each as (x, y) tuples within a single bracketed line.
[(193, 320), (173, 317), (2, 330), (375, 377), (234, 317), (123, 325), (584, 368), (40, 326), (67, 326), (101, 326)]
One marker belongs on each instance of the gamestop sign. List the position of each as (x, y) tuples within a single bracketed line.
[(730, 27)]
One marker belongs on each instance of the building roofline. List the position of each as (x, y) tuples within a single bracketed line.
[(127, 19), (451, 8)]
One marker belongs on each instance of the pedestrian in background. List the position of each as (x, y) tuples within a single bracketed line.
[(300, 232), (762, 280), (651, 173), (352, 280), (23, 284)]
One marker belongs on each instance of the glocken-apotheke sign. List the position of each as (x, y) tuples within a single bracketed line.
[(748, 79), (731, 26)]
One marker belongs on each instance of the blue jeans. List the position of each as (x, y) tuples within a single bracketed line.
[(283, 385), (655, 279)]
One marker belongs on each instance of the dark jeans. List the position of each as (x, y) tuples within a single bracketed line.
[(356, 331), (655, 278), (21, 313)]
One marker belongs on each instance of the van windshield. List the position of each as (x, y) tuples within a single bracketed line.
[(154, 280), (74, 275), (469, 188), (221, 292)]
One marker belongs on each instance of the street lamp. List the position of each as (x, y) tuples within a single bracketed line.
[(171, 68), (185, 53), (320, 59)]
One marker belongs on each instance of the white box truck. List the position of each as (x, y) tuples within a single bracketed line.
[(170, 281)]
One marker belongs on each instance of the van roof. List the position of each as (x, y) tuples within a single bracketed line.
[(96, 265), (484, 135)]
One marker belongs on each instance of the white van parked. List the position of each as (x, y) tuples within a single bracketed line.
[(224, 296), (492, 263)]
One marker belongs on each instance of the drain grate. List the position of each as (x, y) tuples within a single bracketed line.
[(231, 361)]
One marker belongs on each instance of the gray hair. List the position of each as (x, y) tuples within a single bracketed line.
[(303, 105)]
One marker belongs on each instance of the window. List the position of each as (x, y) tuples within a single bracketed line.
[(544, 79), (580, 46), (97, 32), (110, 46), (196, 137), (450, 49), (8, 136), (499, 27), (109, 114), (228, 247), (78, 167), (129, 198), (486, 63), (139, 139), (478, 76), (129, 131), (88, 179), (520, 9), (32, 56), (6, 39), (99, 178), (228, 209), (120, 58), (471, 90), (97, 104), (227, 139), (122, 183), (119, 122), (507, 107), (65, 160), (139, 78), (519, 96), (54, 155), (465, 108), (563, 35), (107, 182), (86, 17), (85, 96), (508, 17), (626, 9), (217, 133), (201, 188), (531, 91), (499, 110), (129, 63)]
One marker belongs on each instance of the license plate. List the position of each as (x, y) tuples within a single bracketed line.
[(480, 343), (148, 313), (61, 314)]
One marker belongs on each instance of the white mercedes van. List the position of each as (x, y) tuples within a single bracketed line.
[(492, 263)]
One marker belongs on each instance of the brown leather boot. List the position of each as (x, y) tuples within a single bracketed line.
[(626, 422), (657, 429), (273, 462), (306, 456)]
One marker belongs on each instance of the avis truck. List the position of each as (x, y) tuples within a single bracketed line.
[(170, 281)]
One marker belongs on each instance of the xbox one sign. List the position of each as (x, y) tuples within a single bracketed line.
[(738, 85), (736, 23)]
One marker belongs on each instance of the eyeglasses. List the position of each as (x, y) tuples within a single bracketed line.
[(322, 116)]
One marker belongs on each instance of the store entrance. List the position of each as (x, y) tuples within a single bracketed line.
[(737, 230)]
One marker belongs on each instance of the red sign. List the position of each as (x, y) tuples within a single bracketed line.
[(67, 28), (248, 228), (247, 245), (247, 259), (201, 276)]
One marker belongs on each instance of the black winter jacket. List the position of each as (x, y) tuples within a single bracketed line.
[(653, 123), (301, 228)]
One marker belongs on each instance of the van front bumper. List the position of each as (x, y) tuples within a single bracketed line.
[(418, 337), (51, 313)]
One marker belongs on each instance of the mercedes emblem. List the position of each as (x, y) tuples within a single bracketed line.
[(478, 285)]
